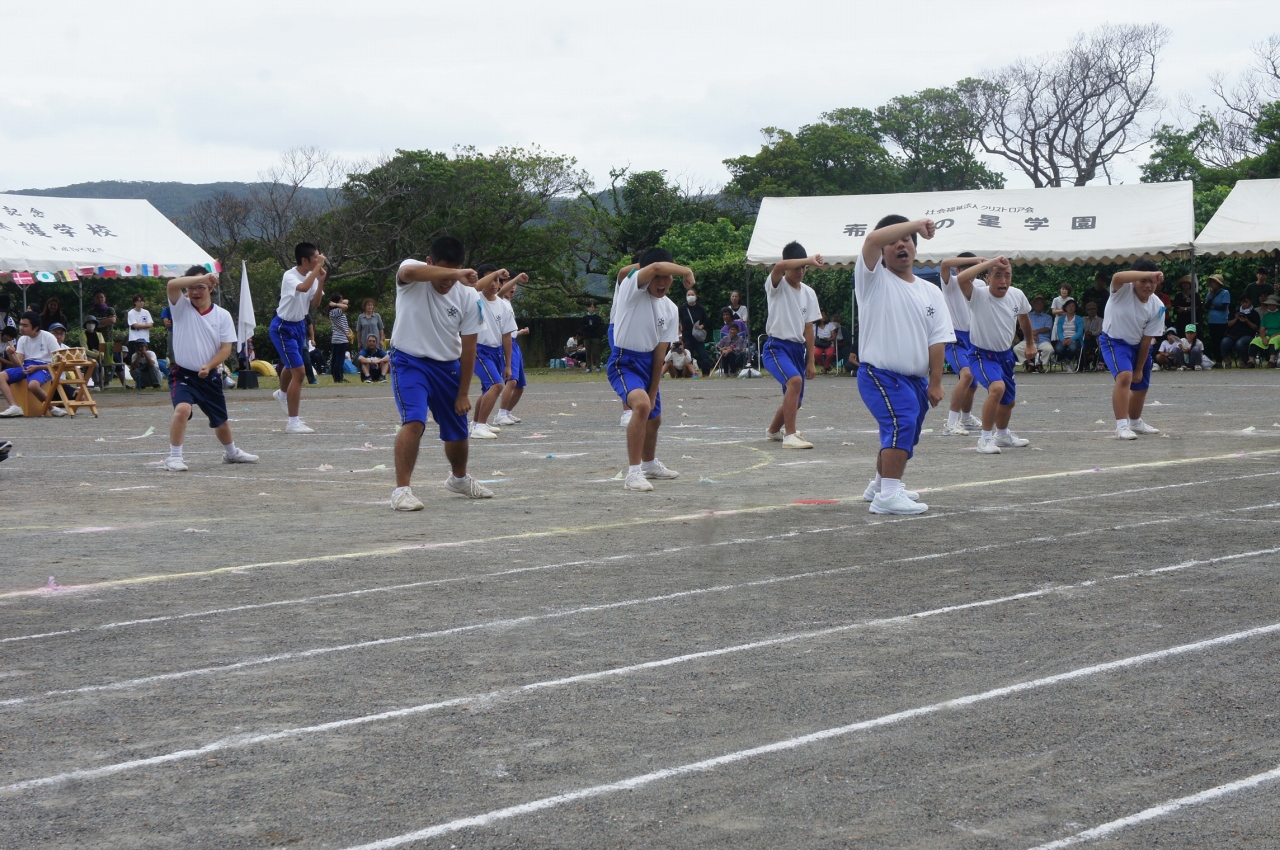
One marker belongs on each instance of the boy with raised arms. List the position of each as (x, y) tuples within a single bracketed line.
[(433, 356), (203, 335), (493, 347), (904, 329), (994, 310), (960, 416), (645, 322), (1133, 319), (788, 346), (513, 389), (300, 291)]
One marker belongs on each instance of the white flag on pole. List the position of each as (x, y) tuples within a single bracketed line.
[(246, 323)]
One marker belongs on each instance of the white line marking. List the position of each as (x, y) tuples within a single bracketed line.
[(710, 764), (246, 740), (1161, 810)]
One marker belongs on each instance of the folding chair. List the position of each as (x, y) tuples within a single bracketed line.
[(71, 367)]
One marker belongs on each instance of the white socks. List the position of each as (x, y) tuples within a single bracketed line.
[(295, 420), (175, 451), (399, 490), (230, 448), (647, 465), (503, 411), (953, 417), (1002, 432), (1135, 422), (879, 482), (986, 435), (890, 487), (1122, 423), (633, 469)]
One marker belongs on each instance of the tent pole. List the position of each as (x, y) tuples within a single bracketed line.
[(1195, 290)]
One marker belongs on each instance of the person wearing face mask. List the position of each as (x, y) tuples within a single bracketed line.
[(693, 330), (1242, 327), (591, 332)]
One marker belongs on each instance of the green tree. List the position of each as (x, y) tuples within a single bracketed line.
[(936, 136), (842, 154)]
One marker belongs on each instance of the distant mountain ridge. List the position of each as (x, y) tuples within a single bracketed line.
[(173, 200)]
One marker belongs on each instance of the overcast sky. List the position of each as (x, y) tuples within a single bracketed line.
[(133, 90)]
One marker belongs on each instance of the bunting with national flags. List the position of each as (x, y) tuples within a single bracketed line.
[(68, 275), (23, 279)]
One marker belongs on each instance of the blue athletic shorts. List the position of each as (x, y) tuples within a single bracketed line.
[(186, 386), (990, 366), (517, 364), (290, 340), (629, 371), (419, 384), (785, 360), (898, 402), (18, 373), (1120, 356), (960, 352), (489, 366)]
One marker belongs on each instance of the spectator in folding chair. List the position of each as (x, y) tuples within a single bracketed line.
[(1068, 334), (94, 342), (8, 339), (1092, 330), (733, 350), (34, 351), (1042, 327)]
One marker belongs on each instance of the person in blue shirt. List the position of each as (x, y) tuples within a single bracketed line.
[(1042, 327), (1217, 309), (373, 361)]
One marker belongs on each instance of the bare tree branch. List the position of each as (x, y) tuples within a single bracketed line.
[(1242, 105)]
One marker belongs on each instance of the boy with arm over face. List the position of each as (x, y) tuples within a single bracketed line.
[(959, 353), (1134, 318), (788, 348), (301, 288)]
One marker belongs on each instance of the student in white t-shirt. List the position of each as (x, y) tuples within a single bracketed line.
[(203, 337), (645, 322), (905, 327), (493, 347), (788, 347), (959, 353), (35, 349), (301, 288), (433, 356), (140, 323), (1134, 318), (994, 310), (515, 384)]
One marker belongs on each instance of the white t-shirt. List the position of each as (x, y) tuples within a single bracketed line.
[(39, 347), (196, 336), (151, 357), (496, 318), (432, 325), (1058, 301), (957, 305), (790, 309), (740, 312), (679, 359), (138, 317), (898, 320), (294, 304), (994, 319), (1129, 319), (1169, 347), (640, 321)]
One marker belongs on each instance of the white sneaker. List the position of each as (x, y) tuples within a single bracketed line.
[(404, 500), (57, 411), (626, 418), (299, 428), (12, 411), (1011, 441), (970, 421), (1143, 428), (482, 431), (872, 491), (987, 446), (504, 420), (469, 487), (1125, 433), (636, 481), (899, 504), (280, 396), (773, 436), (954, 429), (658, 471), (795, 441), (514, 418), (174, 464), (241, 456)]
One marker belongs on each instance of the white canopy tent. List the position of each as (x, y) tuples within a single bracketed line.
[(1078, 225), (93, 237), (1247, 224)]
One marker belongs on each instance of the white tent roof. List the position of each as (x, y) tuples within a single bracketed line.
[(93, 236), (1247, 223), (1087, 224)]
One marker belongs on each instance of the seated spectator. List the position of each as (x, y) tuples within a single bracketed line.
[(733, 350), (1092, 330), (824, 342), (575, 351), (679, 361), (1268, 339), (1242, 327), (1191, 352), (374, 362), (1068, 332), (730, 319), (1042, 327), (1170, 349), (33, 352), (143, 364), (8, 339), (1064, 295), (97, 347)]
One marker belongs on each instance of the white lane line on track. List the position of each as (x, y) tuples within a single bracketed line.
[(706, 765), (250, 739), (1166, 808)]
